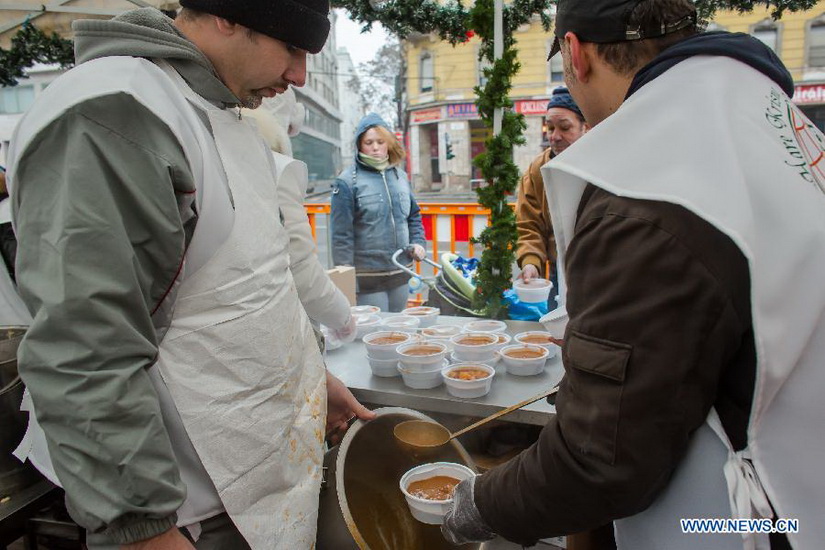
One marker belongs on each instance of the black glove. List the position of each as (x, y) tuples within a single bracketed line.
[(463, 523)]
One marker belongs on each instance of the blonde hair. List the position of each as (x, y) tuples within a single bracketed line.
[(394, 149)]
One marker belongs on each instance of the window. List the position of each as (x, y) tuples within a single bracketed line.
[(427, 73), (16, 99), (555, 66), (482, 64), (767, 31), (816, 43)]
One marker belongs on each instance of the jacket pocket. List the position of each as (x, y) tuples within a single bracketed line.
[(369, 207), (590, 407)]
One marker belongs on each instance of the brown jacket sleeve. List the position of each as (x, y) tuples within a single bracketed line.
[(536, 243), (653, 326)]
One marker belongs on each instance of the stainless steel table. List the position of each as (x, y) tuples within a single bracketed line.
[(349, 363)]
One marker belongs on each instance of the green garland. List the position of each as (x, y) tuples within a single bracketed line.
[(29, 46)]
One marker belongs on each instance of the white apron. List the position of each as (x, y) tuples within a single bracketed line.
[(13, 311), (740, 155), (239, 359)]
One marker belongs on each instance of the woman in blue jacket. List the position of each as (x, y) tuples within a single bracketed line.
[(373, 215)]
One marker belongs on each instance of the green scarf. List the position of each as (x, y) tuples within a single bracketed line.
[(379, 164)]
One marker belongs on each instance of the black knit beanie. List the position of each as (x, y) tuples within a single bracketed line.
[(300, 23)]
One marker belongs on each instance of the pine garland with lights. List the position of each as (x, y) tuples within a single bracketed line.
[(29, 46)]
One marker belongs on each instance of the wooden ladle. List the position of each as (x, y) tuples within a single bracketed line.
[(427, 435)]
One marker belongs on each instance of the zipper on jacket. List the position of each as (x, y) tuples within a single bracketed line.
[(392, 211)]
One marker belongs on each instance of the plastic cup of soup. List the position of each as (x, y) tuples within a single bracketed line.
[(383, 344), (468, 380), (538, 338), (365, 324), (407, 323), (485, 325), (422, 356), (441, 333), (385, 368), (428, 489), (365, 310), (524, 359), (534, 291), (474, 346), (422, 379), (427, 315)]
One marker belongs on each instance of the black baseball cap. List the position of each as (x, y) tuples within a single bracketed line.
[(604, 21)]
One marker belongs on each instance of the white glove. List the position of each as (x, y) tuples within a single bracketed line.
[(418, 252), (463, 523), (346, 333)]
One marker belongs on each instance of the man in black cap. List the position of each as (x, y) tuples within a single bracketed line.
[(691, 233), (171, 366), (536, 245)]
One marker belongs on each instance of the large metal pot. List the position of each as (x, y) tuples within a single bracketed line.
[(14, 475), (361, 505)]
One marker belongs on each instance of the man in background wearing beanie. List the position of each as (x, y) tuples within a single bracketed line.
[(171, 366), (536, 245), (694, 350)]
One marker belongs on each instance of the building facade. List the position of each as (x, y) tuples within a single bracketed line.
[(350, 103), (442, 115), (55, 18), (319, 143), (799, 40)]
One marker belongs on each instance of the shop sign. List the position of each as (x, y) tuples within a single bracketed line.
[(531, 106), (462, 110), (809, 94), (426, 115)]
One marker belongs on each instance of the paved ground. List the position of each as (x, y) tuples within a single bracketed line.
[(498, 544)]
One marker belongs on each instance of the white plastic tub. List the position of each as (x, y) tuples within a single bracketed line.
[(474, 346), (432, 512), (427, 315), (385, 351), (413, 359), (485, 325), (365, 310), (538, 338), (441, 333), (556, 321), (527, 366), (503, 340), (534, 291), (365, 324), (468, 389), (407, 323), (422, 379), (385, 368)]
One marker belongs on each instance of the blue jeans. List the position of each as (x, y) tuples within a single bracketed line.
[(392, 300)]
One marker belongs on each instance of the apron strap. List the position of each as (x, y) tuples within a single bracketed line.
[(747, 496)]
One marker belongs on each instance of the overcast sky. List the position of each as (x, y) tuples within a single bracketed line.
[(361, 47)]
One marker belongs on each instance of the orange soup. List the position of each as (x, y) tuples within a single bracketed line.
[(422, 350), (387, 340), (524, 353), (537, 339), (434, 488), (468, 373), (481, 340)]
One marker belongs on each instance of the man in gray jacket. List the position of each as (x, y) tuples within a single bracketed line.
[(171, 366)]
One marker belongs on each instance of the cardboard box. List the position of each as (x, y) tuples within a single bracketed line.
[(344, 278)]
